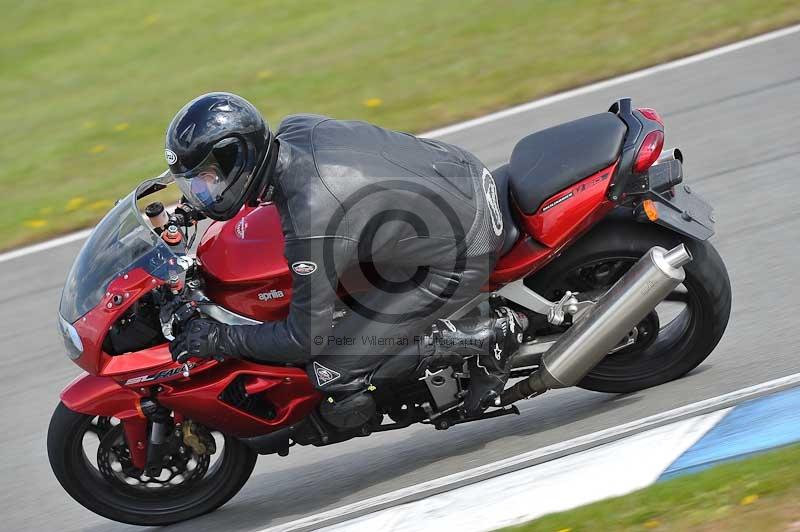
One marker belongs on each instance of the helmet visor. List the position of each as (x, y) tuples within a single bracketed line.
[(216, 184)]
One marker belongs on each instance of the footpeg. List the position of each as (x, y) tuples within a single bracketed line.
[(566, 305), (444, 423)]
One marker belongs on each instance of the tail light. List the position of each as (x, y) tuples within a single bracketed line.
[(651, 114), (649, 151)]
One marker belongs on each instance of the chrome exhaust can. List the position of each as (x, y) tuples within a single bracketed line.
[(607, 322)]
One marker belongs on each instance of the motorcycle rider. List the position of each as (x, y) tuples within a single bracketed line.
[(402, 231)]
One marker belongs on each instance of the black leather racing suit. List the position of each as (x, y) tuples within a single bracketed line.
[(385, 233)]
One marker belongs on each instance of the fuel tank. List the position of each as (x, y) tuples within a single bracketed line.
[(243, 264)]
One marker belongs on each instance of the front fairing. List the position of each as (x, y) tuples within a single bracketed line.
[(122, 245)]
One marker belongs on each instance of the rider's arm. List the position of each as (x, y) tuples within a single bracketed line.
[(297, 338)]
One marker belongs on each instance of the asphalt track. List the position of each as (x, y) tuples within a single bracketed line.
[(734, 115)]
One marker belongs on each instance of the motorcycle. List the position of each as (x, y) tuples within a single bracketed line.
[(606, 253)]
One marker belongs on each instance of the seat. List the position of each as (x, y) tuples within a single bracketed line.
[(510, 229), (550, 160)]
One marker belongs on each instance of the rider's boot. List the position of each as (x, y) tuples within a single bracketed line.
[(487, 343)]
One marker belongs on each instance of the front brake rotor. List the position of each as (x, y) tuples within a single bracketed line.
[(179, 470)]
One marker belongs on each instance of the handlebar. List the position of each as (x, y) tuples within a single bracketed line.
[(184, 215)]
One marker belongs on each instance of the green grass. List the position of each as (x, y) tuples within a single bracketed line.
[(760, 493), (88, 88)]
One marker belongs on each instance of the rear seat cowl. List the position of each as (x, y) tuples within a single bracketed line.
[(548, 161)]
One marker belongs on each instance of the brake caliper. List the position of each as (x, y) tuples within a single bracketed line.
[(198, 438)]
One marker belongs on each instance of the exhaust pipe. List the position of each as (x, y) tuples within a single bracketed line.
[(673, 154), (616, 313)]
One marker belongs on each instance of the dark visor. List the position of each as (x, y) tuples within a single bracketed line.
[(206, 185)]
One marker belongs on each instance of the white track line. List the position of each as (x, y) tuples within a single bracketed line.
[(531, 458), (610, 470), (43, 246), (625, 78), (766, 37)]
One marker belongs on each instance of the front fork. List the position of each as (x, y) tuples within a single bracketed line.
[(158, 441), (135, 430), (150, 438), (143, 420), (147, 436)]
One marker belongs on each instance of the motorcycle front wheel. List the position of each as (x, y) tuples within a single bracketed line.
[(90, 459), (676, 337)]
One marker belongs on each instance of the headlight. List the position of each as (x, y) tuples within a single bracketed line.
[(72, 341)]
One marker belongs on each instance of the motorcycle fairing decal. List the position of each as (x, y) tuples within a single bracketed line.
[(549, 232), (272, 294), (240, 228), (560, 200), (325, 375), (490, 190), (158, 376)]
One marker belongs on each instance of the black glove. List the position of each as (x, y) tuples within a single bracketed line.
[(202, 338)]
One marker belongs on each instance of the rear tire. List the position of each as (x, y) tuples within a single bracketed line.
[(87, 485), (680, 346)]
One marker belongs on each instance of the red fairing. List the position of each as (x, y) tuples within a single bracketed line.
[(526, 256), (93, 327), (246, 271), (571, 210), (288, 390), (102, 396), (116, 384), (558, 222)]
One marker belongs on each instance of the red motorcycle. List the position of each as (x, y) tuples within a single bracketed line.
[(606, 251)]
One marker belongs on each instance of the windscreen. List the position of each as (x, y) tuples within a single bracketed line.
[(121, 242)]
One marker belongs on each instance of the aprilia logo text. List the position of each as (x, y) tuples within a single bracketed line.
[(272, 294)]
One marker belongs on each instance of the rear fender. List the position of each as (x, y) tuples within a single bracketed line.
[(673, 204), (684, 212)]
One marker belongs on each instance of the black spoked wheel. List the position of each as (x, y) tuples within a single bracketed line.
[(673, 339), (91, 460)]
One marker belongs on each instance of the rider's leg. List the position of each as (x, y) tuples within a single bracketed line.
[(487, 343), (392, 321), (380, 324)]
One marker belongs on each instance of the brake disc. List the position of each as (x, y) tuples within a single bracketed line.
[(179, 470)]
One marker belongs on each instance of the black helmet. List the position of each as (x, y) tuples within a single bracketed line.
[(217, 147)]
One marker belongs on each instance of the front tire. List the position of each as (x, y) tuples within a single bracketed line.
[(681, 344), (88, 486)]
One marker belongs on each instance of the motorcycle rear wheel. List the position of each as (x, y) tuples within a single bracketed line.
[(672, 348), (87, 485)]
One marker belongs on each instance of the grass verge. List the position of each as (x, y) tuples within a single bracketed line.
[(760, 493), (89, 88)]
